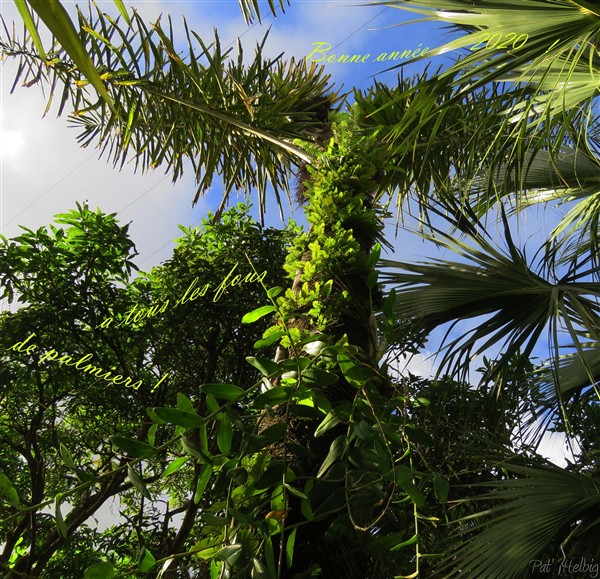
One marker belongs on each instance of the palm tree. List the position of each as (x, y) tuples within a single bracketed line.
[(543, 56)]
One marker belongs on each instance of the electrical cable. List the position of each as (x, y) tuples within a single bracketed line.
[(167, 243), (360, 28), (48, 190)]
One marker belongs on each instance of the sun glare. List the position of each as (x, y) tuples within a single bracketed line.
[(11, 142)]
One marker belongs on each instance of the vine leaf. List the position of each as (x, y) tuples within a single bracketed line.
[(137, 482), (60, 522), (335, 452), (260, 570), (231, 554), (175, 465), (225, 436), (190, 448), (289, 548), (223, 391), (8, 491), (273, 397), (441, 488), (146, 560), (328, 423), (417, 434), (134, 448), (269, 339), (257, 314), (67, 458), (102, 570), (266, 366), (179, 417), (203, 480)]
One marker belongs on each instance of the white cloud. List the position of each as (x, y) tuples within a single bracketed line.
[(558, 448), (419, 364), (11, 143)]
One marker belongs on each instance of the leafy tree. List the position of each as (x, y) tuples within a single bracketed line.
[(65, 428)]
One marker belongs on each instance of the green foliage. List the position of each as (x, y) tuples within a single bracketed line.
[(225, 443), (71, 439), (330, 264), (99, 571), (343, 432), (522, 301), (318, 461)]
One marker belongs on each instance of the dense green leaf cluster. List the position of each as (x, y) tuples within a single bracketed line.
[(331, 264)]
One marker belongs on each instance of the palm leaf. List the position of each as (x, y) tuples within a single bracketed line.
[(548, 86), (250, 123), (251, 8), (223, 117), (559, 51), (519, 304), (432, 147), (529, 518), (58, 22), (576, 370), (571, 176), (31, 26), (566, 176)]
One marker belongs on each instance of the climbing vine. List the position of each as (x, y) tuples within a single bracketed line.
[(332, 264)]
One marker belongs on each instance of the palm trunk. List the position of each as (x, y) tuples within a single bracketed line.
[(333, 294)]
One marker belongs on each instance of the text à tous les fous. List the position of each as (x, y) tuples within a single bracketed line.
[(193, 292)]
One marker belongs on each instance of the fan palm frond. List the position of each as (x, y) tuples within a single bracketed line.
[(576, 370), (556, 49), (530, 518), (548, 83), (571, 177), (517, 305)]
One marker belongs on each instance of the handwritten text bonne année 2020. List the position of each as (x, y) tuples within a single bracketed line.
[(134, 315), (324, 47), (501, 41)]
